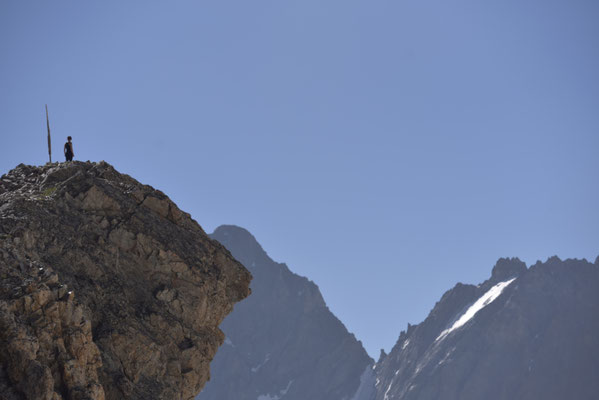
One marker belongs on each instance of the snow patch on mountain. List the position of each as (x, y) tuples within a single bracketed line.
[(478, 305), (257, 367)]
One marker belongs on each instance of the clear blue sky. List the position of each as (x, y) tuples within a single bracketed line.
[(384, 149)]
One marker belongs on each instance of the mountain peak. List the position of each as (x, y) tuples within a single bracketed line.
[(502, 340), (234, 232), (242, 244), (506, 268), (283, 342)]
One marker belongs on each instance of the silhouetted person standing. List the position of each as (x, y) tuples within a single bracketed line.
[(68, 149)]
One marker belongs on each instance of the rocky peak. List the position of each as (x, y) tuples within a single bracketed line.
[(108, 289), (242, 244), (507, 268), (382, 355), (283, 342), (508, 338)]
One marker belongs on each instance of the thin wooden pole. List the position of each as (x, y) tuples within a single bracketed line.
[(49, 141)]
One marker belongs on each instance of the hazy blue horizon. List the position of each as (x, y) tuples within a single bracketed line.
[(386, 150)]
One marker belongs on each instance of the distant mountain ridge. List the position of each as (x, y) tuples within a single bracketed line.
[(525, 333), (522, 334), (283, 341)]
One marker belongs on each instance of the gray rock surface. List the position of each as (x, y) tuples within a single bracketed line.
[(108, 290), (283, 342), (537, 339)]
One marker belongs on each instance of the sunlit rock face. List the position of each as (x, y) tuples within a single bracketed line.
[(523, 334), (108, 290), (283, 342)]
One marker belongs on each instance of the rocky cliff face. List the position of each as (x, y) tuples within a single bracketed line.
[(108, 290), (523, 334), (283, 342)]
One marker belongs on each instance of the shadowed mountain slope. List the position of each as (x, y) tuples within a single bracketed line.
[(523, 334), (283, 341)]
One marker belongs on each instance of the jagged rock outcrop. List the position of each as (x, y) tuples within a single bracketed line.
[(283, 342), (523, 334), (108, 290)]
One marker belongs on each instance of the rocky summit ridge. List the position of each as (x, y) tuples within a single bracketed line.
[(108, 290), (525, 333)]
